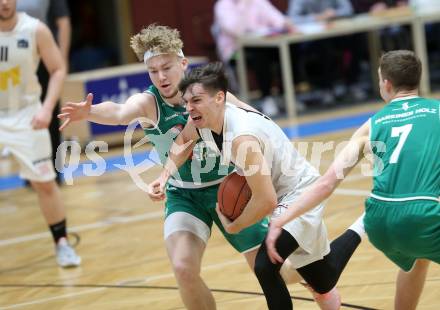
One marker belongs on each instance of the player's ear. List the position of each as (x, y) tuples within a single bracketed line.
[(220, 97), (388, 85), (184, 63)]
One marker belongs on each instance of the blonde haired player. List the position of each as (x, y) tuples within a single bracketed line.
[(24, 119), (192, 194)]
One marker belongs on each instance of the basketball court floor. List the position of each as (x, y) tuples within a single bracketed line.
[(118, 232)]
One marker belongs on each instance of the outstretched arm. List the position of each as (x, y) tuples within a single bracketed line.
[(110, 113), (323, 187)]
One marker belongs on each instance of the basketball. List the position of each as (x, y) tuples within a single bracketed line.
[(233, 195)]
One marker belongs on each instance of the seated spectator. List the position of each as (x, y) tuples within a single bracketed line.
[(235, 18), (311, 64), (306, 11), (374, 6), (392, 38)]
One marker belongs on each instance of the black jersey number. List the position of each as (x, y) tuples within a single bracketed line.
[(3, 53)]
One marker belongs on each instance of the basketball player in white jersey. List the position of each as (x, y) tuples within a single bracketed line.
[(24, 119), (276, 174)]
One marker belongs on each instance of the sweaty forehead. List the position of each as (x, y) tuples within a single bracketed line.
[(194, 90)]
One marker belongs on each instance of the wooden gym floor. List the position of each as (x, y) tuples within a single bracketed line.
[(124, 261)]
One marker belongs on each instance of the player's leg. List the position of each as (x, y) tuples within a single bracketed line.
[(308, 235), (49, 199), (268, 274), (185, 251), (288, 273), (322, 275), (247, 241), (250, 257), (332, 265), (412, 230), (55, 134), (187, 229), (409, 285), (33, 151), (308, 231)]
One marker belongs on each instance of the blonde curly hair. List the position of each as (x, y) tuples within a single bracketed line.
[(157, 39)]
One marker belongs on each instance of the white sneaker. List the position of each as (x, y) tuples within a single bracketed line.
[(66, 255)]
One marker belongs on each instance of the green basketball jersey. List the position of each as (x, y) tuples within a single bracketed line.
[(203, 168), (405, 138)]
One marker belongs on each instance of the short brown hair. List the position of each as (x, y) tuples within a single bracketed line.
[(402, 68), (212, 76), (158, 39)]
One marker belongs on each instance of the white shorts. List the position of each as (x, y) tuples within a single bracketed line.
[(182, 221), (308, 230), (33, 151)]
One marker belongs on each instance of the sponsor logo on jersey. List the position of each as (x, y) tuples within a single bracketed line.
[(22, 43), (405, 107), (171, 116), (12, 75)]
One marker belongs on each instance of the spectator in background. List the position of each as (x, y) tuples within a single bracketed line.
[(313, 66), (55, 14), (303, 11), (235, 18), (394, 37), (373, 6)]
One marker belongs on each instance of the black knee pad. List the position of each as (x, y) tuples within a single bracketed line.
[(320, 275)]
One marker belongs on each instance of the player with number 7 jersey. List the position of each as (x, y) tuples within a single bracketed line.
[(402, 214), (404, 136)]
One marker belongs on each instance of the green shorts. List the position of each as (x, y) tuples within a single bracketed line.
[(194, 210), (404, 231)]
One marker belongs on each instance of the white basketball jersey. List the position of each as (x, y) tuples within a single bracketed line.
[(289, 170), (19, 59)]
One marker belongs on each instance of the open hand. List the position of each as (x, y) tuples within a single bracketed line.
[(75, 111)]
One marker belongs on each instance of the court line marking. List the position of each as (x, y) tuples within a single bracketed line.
[(134, 218), (214, 290), (151, 278), (148, 279), (102, 223), (45, 300), (148, 216)]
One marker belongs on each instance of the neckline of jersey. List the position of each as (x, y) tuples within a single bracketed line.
[(404, 98)]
